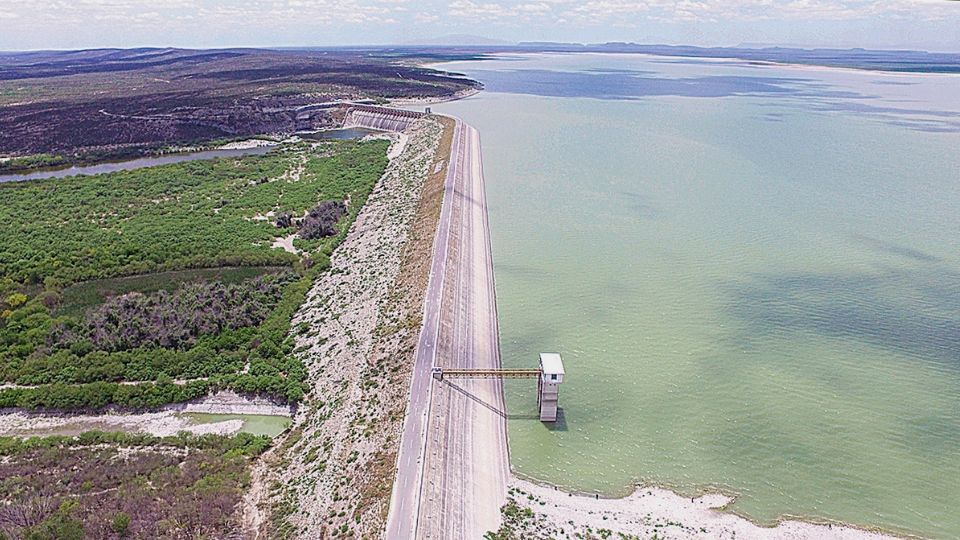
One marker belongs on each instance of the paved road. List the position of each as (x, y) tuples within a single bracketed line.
[(453, 464), (405, 499)]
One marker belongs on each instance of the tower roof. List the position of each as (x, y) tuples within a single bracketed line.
[(551, 363)]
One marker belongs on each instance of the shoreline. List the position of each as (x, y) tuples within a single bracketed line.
[(662, 511), (713, 498), (167, 420), (413, 102)]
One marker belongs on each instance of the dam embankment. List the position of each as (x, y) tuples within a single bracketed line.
[(453, 467)]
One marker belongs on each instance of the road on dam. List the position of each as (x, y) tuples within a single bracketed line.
[(453, 466)]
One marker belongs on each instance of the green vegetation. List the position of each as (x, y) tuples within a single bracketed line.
[(37, 161), (82, 296), (149, 339), (186, 215), (101, 394), (115, 485)]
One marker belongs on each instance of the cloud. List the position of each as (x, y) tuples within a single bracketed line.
[(644, 11), (212, 13), (498, 12), (426, 18), (85, 23)]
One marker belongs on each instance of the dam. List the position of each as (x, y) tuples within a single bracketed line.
[(380, 118)]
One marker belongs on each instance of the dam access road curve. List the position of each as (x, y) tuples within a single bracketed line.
[(453, 465)]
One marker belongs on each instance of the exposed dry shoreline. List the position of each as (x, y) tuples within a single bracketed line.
[(166, 421), (413, 102), (538, 511)]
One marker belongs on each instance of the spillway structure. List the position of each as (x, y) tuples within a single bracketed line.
[(380, 118)]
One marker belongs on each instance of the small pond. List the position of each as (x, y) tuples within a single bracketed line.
[(270, 426)]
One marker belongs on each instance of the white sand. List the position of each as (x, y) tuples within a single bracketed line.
[(413, 102), (398, 141), (656, 511), (161, 424), (286, 243)]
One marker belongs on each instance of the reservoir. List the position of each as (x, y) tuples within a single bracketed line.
[(752, 273)]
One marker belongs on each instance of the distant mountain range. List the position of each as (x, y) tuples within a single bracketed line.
[(459, 40), (885, 60)]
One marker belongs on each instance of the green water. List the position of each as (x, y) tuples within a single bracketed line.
[(270, 426), (752, 273)]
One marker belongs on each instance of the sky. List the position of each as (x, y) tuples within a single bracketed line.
[(72, 24)]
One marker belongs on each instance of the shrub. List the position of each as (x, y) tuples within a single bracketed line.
[(178, 318), (322, 220), (121, 523)]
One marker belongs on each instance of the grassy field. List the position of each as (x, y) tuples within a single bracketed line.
[(167, 277)]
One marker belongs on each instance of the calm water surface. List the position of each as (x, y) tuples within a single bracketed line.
[(752, 272), (257, 424), (132, 164), (342, 134)]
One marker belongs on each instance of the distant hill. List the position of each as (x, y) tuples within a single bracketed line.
[(123, 102), (882, 60)]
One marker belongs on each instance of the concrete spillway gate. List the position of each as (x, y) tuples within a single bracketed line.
[(549, 376)]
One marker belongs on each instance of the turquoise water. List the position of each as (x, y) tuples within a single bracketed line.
[(752, 273), (255, 424)]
